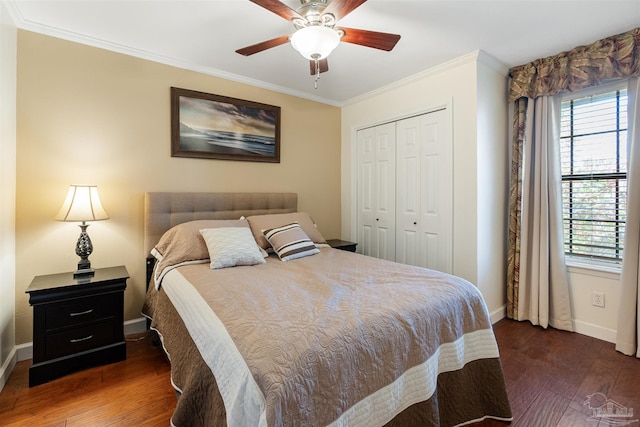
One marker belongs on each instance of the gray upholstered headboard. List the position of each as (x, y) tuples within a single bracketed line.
[(165, 210)]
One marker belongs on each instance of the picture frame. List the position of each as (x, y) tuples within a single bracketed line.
[(209, 126)]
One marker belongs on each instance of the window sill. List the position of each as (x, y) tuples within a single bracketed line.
[(607, 270)]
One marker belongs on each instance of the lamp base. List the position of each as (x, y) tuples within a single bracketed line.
[(83, 272), (83, 250)]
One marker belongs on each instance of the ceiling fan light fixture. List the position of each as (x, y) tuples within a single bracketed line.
[(315, 42)]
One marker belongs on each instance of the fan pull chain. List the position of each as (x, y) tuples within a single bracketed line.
[(315, 84)]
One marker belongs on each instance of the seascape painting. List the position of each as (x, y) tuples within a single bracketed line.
[(217, 127)]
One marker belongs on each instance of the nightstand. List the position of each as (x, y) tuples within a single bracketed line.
[(77, 323), (342, 244)]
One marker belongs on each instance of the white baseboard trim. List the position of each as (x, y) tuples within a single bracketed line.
[(498, 314), (583, 328), (595, 331), (7, 368), (24, 351), (135, 326)]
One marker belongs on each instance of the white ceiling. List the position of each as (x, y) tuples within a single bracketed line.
[(203, 35)]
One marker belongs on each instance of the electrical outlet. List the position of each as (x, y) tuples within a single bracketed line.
[(597, 299)]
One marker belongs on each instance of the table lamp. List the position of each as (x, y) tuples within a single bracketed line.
[(82, 204)]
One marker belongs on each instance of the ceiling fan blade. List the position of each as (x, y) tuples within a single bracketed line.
[(323, 63), (259, 47), (341, 8), (374, 39), (279, 8)]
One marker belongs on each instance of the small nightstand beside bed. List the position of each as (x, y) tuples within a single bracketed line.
[(77, 322), (329, 337)]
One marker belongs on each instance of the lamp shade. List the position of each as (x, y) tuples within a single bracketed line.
[(82, 204), (315, 42)]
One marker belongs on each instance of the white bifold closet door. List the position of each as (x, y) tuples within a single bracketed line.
[(376, 191), (424, 192), (405, 191)]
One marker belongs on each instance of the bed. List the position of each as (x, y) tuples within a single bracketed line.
[(325, 337)]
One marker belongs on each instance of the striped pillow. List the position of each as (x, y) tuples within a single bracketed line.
[(290, 242)]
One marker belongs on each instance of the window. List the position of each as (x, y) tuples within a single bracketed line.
[(593, 141)]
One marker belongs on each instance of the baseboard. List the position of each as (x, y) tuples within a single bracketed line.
[(24, 351), (595, 331), (135, 326), (7, 368), (498, 314), (583, 328)]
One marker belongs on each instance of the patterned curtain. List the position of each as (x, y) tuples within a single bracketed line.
[(616, 57), (515, 207)]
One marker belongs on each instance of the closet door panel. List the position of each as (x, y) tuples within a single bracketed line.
[(376, 191), (408, 190), (435, 250), (430, 242), (365, 188), (424, 191), (385, 183)]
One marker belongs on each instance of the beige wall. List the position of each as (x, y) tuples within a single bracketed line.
[(492, 159), (87, 115), (7, 190)]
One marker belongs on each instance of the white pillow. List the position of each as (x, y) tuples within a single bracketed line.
[(231, 246)]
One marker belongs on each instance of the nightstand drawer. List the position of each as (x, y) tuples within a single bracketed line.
[(79, 311), (79, 339)]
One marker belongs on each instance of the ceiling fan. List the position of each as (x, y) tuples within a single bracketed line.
[(316, 32)]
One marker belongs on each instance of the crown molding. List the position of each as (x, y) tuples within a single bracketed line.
[(472, 57), (445, 66), (48, 30)]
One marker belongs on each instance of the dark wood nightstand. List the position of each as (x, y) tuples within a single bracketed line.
[(342, 244), (77, 323)]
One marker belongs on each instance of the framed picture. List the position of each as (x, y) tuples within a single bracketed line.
[(218, 127)]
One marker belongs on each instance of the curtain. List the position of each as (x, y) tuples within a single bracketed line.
[(628, 337), (543, 287), (612, 58), (518, 112)]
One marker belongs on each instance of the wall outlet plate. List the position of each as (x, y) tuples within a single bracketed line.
[(597, 299)]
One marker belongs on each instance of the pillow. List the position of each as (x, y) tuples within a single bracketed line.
[(259, 223), (183, 244), (186, 239), (290, 242), (231, 246)]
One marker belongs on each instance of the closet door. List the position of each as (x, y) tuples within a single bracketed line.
[(424, 192), (376, 191)]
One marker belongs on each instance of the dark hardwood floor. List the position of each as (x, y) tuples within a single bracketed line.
[(549, 376), (134, 392)]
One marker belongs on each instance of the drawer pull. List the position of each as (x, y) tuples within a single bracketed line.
[(75, 340), (81, 313)]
